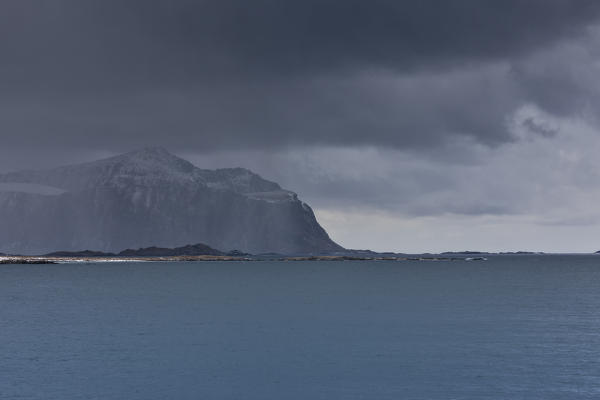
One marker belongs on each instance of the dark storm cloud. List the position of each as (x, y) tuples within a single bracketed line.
[(182, 38), (268, 73), (563, 79)]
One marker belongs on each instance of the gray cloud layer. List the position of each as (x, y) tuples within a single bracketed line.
[(204, 75)]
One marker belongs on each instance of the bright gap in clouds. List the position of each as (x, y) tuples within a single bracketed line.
[(539, 193), (393, 232)]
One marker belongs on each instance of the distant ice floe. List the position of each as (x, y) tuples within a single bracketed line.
[(31, 188), (62, 260)]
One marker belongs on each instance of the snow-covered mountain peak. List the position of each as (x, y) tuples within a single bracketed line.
[(151, 158), (147, 167), (155, 153)]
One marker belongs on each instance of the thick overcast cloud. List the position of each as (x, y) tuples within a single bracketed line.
[(428, 110), (214, 74)]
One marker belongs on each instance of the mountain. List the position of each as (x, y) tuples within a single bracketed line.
[(152, 198)]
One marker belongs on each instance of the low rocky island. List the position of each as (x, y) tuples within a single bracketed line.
[(203, 252)]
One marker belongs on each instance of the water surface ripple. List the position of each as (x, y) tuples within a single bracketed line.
[(514, 327)]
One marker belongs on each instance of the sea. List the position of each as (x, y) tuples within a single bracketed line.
[(511, 327)]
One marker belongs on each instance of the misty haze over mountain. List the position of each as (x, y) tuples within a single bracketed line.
[(151, 197)]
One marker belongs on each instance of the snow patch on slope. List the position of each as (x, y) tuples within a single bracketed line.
[(31, 188), (275, 196)]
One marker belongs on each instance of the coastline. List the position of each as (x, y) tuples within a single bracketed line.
[(69, 260)]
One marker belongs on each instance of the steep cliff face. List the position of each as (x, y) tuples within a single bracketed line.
[(152, 198)]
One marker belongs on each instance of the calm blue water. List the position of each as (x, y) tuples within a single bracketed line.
[(514, 327)]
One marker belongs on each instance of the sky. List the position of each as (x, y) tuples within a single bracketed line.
[(408, 126)]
